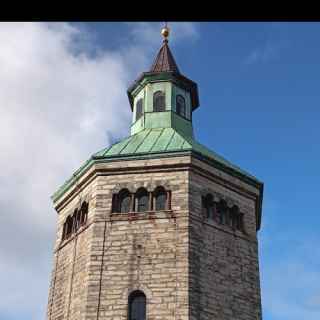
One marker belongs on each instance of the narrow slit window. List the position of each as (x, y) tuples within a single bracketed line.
[(139, 109)]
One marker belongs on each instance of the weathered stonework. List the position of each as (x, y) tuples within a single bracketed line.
[(188, 267)]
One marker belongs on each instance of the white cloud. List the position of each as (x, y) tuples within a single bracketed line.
[(262, 54), (59, 103), (277, 40)]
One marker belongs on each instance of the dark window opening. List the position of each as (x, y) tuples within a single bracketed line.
[(142, 197), (137, 306), (77, 217), (181, 105), (75, 221), (207, 205), (69, 226), (84, 213), (222, 208), (124, 201), (160, 201), (139, 109), (159, 103), (236, 218), (221, 213)]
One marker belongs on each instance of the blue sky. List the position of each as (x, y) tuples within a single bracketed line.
[(259, 108)]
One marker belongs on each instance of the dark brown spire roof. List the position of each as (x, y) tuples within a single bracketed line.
[(164, 61)]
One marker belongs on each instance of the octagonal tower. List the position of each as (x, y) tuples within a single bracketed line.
[(157, 226)]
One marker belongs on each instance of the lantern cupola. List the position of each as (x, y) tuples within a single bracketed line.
[(162, 97)]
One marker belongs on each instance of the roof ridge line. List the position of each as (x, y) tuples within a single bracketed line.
[(157, 139), (129, 139), (138, 146), (170, 138)]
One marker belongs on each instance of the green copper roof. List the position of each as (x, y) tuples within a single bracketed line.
[(161, 140), (151, 143)]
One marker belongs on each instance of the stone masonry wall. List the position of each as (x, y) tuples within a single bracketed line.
[(68, 287), (95, 271), (188, 267), (147, 252), (224, 271)]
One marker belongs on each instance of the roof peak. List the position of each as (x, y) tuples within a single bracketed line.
[(164, 60)]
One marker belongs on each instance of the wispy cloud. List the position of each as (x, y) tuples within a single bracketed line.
[(271, 48), (263, 54), (59, 103)]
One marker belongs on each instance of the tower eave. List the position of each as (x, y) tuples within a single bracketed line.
[(185, 147)]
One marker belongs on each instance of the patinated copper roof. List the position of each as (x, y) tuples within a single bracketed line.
[(164, 61)]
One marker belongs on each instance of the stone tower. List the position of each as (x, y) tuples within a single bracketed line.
[(157, 226)]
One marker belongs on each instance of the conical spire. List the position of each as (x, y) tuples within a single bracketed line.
[(164, 61)]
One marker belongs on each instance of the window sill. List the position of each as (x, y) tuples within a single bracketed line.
[(131, 216), (73, 235), (225, 227)]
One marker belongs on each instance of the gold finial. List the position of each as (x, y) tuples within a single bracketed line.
[(165, 32)]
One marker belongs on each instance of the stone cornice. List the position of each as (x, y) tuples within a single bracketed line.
[(101, 167)]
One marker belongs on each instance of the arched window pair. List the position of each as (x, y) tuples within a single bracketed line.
[(75, 221), (159, 104), (137, 306), (220, 212), (141, 201)]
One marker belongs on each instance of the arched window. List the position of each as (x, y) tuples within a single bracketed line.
[(139, 109), (159, 103), (181, 105), (64, 230), (142, 198), (74, 221), (84, 213), (207, 206), (124, 201), (69, 223), (236, 218), (77, 219), (137, 305), (222, 209), (160, 199)]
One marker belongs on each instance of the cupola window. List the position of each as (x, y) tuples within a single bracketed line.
[(159, 101), (181, 105), (139, 109)]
